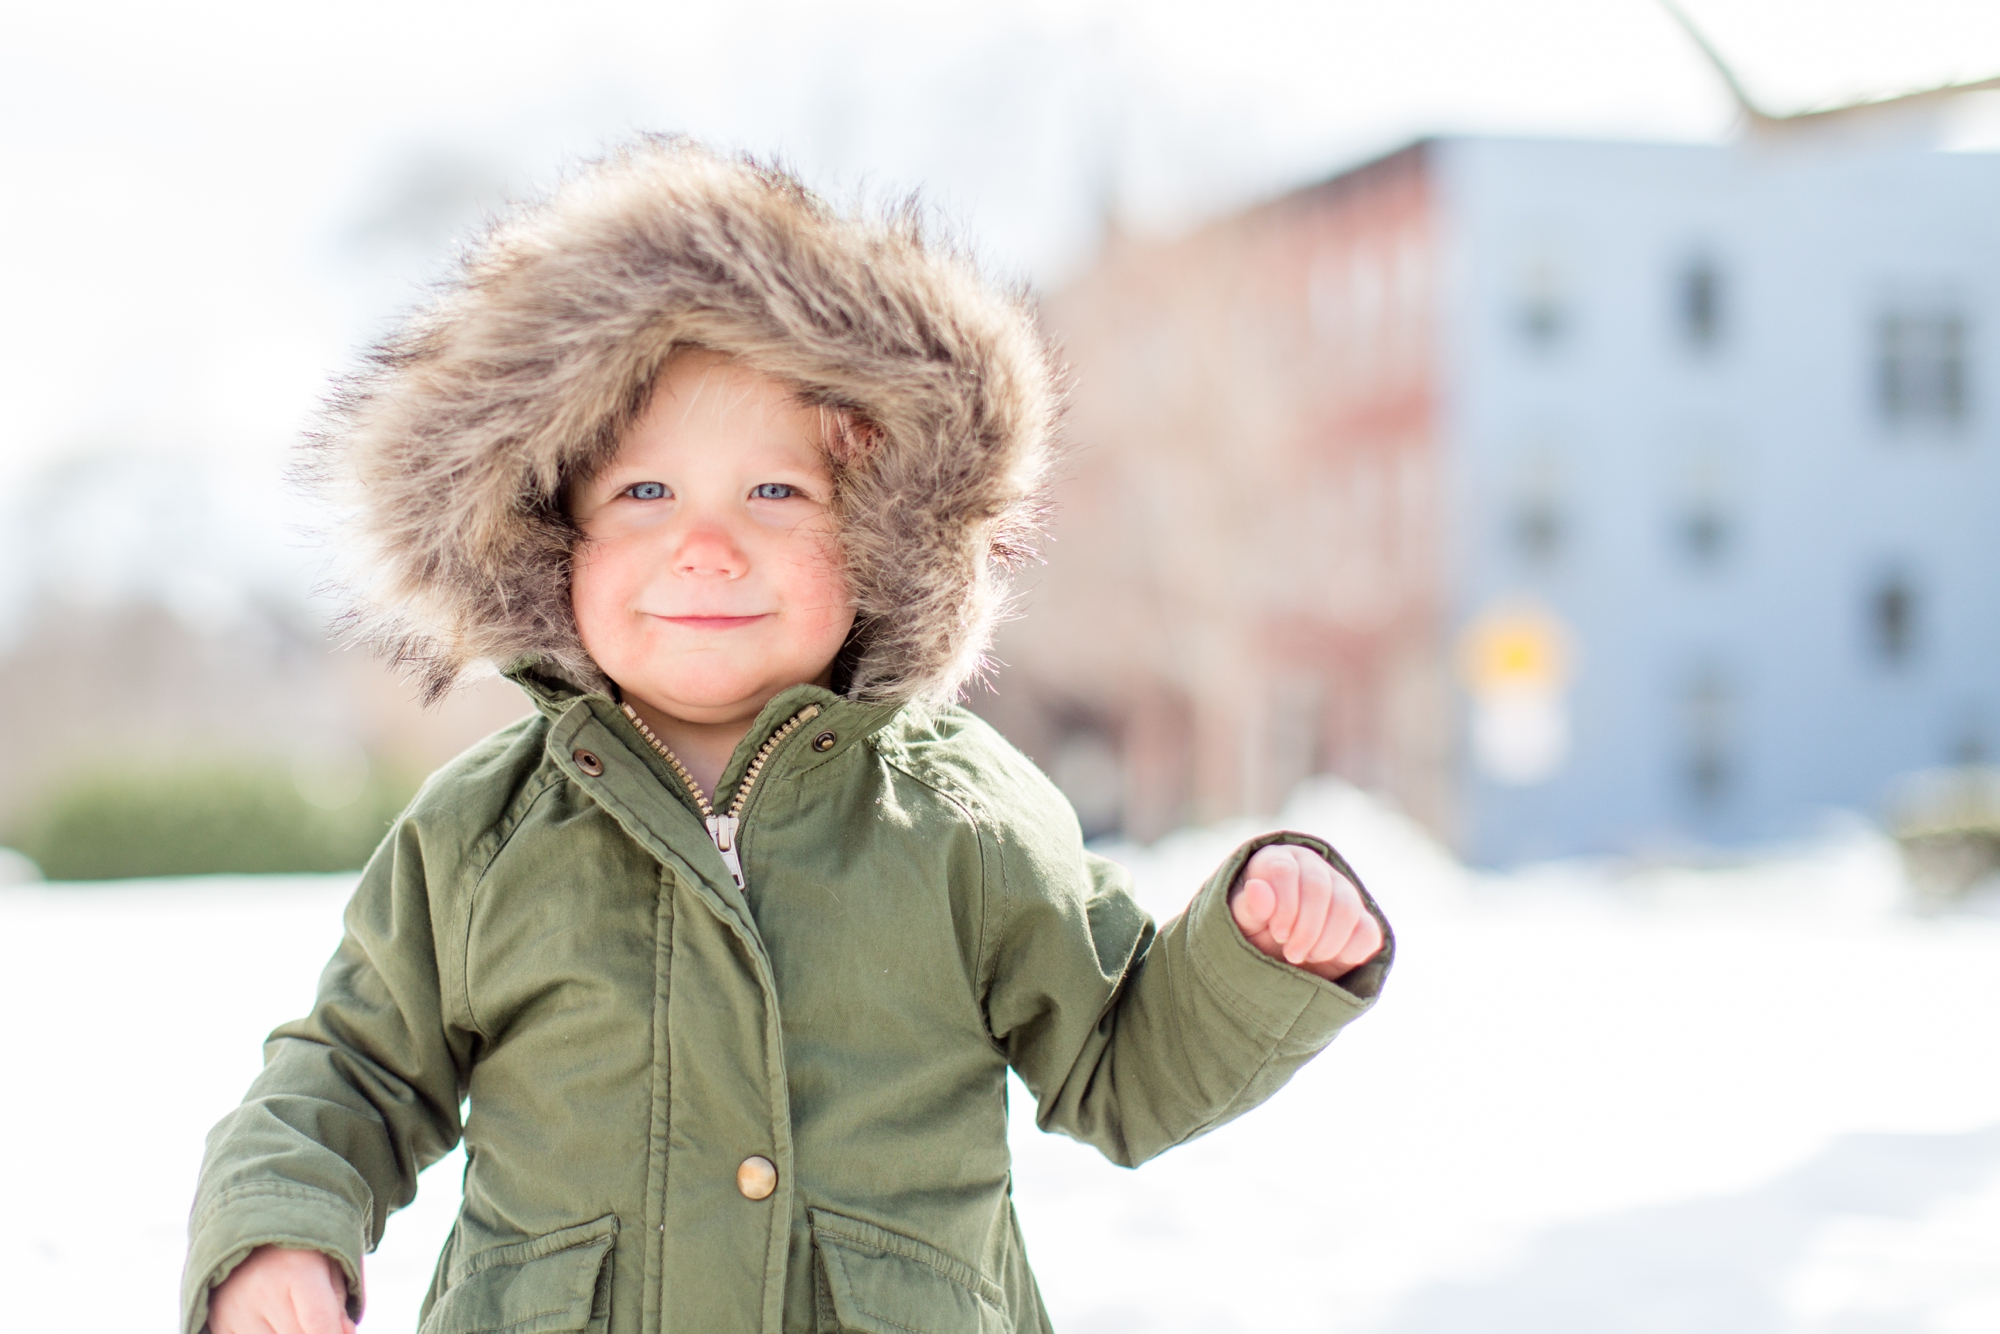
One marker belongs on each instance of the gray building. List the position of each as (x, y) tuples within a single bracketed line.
[(1727, 414)]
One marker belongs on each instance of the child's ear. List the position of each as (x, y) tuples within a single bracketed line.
[(850, 438)]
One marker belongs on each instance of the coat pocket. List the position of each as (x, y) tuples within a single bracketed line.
[(882, 1282), (555, 1284)]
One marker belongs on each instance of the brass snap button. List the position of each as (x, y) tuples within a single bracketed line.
[(757, 1177), (588, 762), (824, 742)]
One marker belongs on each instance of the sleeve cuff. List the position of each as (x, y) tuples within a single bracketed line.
[(228, 1226), (1286, 1002)]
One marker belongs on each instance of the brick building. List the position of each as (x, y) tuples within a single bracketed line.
[(1243, 587)]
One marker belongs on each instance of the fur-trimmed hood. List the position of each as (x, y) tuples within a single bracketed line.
[(447, 455)]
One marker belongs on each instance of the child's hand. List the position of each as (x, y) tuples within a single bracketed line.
[(281, 1291), (1293, 906)]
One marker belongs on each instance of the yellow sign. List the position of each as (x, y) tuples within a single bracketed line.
[(1515, 645)]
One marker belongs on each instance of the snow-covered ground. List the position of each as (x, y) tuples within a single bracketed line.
[(1761, 1097)]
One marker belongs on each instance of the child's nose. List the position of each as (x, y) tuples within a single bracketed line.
[(707, 550)]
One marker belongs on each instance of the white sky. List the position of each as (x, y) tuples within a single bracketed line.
[(207, 206)]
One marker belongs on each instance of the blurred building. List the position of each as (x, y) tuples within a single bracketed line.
[(1583, 496)]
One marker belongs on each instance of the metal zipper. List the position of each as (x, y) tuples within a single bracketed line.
[(722, 829)]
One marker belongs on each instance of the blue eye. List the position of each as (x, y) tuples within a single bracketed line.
[(647, 491), (774, 491)]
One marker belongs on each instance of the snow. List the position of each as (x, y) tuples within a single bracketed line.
[(1760, 1096)]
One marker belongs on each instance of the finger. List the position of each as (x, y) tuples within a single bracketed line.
[(321, 1318), (340, 1292), (1252, 907), (1284, 877), (1362, 945), (1342, 917), (1263, 863), (229, 1320), (1315, 896), (246, 1303), (317, 1308)]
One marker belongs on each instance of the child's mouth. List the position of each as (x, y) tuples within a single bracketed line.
[(713, 622)]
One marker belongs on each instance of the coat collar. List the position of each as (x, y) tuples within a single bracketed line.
[(633, 783), (848, 722)]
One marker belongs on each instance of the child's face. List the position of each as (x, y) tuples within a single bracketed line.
[(710, 577)]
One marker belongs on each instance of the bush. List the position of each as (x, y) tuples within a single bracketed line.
[(201, 819)]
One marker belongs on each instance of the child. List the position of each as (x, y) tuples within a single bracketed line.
[(717, 963)]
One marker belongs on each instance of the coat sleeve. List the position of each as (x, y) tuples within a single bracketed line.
[(1135, 1041), (354, 1099)]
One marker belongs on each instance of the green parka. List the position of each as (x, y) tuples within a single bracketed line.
[(549, 959)]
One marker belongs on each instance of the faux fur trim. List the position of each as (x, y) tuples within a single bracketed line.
[(447, 454)]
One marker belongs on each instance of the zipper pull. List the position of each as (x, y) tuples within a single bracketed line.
[(722, 829)]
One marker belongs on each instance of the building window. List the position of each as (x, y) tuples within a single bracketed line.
[(1920, 376), (1538, 525), (1708, 771), (1704, 517), (1537, 530), (1700, 306), (1704, 533), (1892, 619), (1541, 305)]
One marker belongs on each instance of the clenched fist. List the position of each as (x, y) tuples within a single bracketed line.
[(1291, 904), (281, 1291)]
